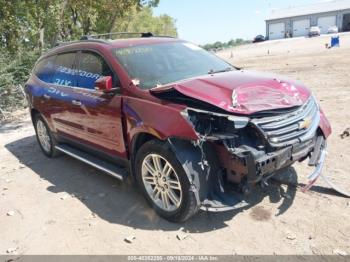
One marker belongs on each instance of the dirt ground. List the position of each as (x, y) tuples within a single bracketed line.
[(62, 206)]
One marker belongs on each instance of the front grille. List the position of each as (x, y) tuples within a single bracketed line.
[(287, 129)]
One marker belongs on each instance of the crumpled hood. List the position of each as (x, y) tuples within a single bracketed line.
[(242, 92)]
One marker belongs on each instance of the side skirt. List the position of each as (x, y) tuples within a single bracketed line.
[(98, 163)]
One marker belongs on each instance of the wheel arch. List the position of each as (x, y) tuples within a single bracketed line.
[(136, 142), (33, 113)]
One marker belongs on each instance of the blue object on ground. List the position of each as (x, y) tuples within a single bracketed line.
[(335, 41)]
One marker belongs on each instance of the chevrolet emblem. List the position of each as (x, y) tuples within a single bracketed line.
[(305, 123)]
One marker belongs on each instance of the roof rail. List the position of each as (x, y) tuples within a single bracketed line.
[(105, 37), (98, 36), (76, 41)]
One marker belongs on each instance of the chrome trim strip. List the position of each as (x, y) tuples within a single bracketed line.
[(317, 172), (224, 209), (284, 130), (312, 130), (335, 187), (275, 122), (109, 172), (266, 120)]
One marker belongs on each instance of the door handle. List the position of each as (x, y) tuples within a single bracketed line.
[(46, 96), (76, 102)]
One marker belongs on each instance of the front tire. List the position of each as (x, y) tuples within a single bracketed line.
[(164, 183), (45, 137)]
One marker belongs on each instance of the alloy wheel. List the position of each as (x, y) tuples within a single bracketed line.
[(161, 182), (43, 136)]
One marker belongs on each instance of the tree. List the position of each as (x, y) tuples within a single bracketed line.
[(23, 22), (145, 21), (28, 26)]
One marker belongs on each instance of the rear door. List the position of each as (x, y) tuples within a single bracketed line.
[(60, 93), (39, 86), (98, 113)]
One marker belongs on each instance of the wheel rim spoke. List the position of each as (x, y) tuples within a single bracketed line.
[(150, 180), (173, 197), (174, 184), (165, 200), (156, 192), (167, 169), (150, 168), (156, 163)]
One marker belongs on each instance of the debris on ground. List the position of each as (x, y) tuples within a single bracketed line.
[(181, 235), (290, 236), (10, 213), (130, 239), (102, 194), (11, 250), (91, 216), (346, 133), (91, 224), (339, 252), (65, 196)]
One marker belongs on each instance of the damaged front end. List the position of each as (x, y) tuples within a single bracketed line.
[(235, 153)]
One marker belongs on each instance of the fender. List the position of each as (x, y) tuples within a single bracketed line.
[(159, 120)]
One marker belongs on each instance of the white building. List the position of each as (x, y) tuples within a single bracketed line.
[(296, 21)]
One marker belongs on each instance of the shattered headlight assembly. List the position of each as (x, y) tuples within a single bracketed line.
[(211, 122)]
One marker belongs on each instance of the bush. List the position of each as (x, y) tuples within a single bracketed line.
[(14, 72)]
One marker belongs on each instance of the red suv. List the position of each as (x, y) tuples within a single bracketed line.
[(194, 131)]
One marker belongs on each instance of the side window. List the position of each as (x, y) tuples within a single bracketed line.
[(44, 69), (64, 73), (90, 68)]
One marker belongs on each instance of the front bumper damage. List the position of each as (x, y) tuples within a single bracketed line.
[(234, 154), (317, 159), (209, 173)]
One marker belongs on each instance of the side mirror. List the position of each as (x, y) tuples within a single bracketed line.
[(104, 84)]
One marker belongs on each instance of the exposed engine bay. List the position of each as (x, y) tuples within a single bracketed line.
[(241, 151), (242, 147), (246, 153)]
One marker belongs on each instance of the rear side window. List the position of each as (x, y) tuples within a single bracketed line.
[(64, 73), (44, 69), (91, 67)]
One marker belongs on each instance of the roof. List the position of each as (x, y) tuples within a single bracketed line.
[(127, 42), (322, 7), (117, 43)]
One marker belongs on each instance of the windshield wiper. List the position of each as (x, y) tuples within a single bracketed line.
[(212, 71)]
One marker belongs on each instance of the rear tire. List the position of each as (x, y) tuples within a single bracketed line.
[(45, 138), (164, 182)]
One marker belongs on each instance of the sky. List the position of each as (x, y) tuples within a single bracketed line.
[(208, 21)]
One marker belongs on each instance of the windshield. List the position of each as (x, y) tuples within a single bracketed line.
[(154, 65)]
